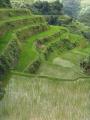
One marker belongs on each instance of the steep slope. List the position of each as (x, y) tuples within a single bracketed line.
[(85, 12), (14, 32), (85, 16), (45, 80), (27, 42)]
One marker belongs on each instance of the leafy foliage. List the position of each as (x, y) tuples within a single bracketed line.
[(46, 8), (5, 3), (85, 64)]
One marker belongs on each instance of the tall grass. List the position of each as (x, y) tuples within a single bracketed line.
[(43, 99)]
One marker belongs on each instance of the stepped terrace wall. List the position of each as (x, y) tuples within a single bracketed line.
[(13, 31), (9, 57), (9, 13), (18, 22), (31, 30)]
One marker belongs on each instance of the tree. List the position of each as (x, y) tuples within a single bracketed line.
[(40, 7), (46, 8), (56, 7), (5, 3), (72, 7)]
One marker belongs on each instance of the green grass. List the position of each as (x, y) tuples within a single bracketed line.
[(52, 38), (9, 13), (72, 37), (77, 55), (29, 53), (53, 93), (8, 36), (73, 56), (4, 40), (17, 18), (14, 19)]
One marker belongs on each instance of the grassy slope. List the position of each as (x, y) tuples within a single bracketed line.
[(29, 52), (41, 99), (4, 40), (17, 18), (57, 69), (72, 57)]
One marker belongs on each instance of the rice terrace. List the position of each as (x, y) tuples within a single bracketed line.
[(44, 63)]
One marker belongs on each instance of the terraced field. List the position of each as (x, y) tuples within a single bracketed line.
[(32, 98), (45, 81)]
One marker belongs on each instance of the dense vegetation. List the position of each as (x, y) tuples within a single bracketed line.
[(51, 10), (46, 8), (43, 68), (5, 3)]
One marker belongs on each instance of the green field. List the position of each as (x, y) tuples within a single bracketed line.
[(57, 88)]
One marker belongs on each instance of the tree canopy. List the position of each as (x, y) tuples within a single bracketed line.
[(46, 8), (5, 3)]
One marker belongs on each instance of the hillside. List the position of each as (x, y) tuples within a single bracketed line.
[(84, 15), (19, 3), (40, 73)]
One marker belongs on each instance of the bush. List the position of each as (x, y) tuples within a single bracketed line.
[(85, 64), (9, 58), (34, 66)]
